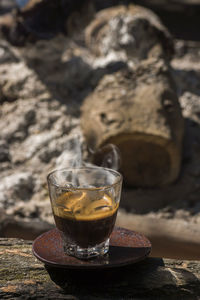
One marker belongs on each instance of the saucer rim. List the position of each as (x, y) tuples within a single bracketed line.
[(94, 266)]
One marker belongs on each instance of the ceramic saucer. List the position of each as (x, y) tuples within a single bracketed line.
[(126, 247)]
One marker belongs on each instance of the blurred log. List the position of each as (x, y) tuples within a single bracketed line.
[(170, 238), (24, 277), (138, 111), (135, 29)]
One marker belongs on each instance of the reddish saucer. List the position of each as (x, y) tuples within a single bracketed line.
[(126, 247)]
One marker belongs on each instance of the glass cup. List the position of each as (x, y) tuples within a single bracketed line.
[(85, 202)]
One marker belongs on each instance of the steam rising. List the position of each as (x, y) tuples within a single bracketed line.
[(72, 154), (107, 157), (70, 158)]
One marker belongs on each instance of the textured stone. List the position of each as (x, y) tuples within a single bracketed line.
[(4, 152), (16, 187), (24, 85)]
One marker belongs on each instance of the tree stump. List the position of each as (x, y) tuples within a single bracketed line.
[(133, 29), (138, 111), (22, 276)]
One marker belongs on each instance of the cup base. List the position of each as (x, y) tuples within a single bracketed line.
[(86, 253)]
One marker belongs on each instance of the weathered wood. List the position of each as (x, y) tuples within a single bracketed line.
[(23, 277), (138, 111)]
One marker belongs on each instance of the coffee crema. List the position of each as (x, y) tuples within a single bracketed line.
[(86, 218)]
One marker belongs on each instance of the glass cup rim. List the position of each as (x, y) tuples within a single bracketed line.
[(108, 186)]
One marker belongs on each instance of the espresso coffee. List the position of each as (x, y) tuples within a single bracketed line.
[(85, 217)]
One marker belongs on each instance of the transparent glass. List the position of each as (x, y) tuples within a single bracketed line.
[(84, 203)]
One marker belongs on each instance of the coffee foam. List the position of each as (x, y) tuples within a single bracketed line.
[(79, 206)]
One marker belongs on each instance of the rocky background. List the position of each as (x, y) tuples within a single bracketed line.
[(42, 86)]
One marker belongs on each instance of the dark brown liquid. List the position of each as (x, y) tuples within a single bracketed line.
[(86, 233), (84, 220)]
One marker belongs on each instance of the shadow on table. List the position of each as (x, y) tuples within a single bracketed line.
[(147, 278)]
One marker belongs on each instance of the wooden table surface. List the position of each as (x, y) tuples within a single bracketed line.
[(22, 276)]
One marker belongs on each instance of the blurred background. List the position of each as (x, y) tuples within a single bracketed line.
[(53, 63)]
